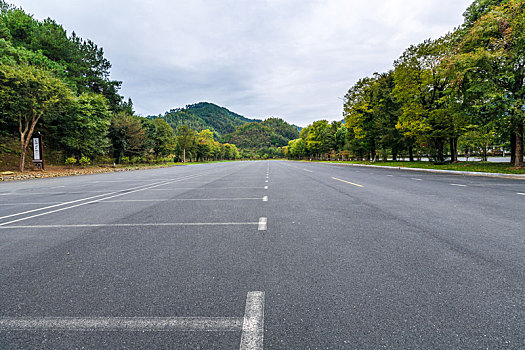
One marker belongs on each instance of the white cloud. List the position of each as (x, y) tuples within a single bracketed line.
[(260, 58)]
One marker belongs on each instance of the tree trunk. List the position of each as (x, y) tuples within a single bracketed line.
[(453, 150), (25, 135), (22, 158), (411, 153), (518, 161), (512, 147), (184, 155)]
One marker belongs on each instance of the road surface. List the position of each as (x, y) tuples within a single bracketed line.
[(263, 254)]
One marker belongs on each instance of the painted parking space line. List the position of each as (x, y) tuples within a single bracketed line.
[(252, 336), (251, 325), (265, 199), (204, 188), (416, 179), (348, 182), (390, 175), (181, 200), (24, 203), (48, 193), (55, 205), (521, 194), (263, 224), (265, 187), (458, 185), (85, 201), (160, 224), (141, 324), (310, 171), (118, 192)]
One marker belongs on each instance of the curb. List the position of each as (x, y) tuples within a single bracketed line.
[(440, 171)]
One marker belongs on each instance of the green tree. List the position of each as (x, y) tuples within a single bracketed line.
[(478, 9), (427, 111), (29, 93), (489, 70), (320, 139), (127, 135), (360, 117), (161, 137), (83, 128), (186, 139)]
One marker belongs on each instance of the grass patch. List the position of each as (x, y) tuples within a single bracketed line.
[(483, 167)]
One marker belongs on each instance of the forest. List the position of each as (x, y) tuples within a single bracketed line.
[(463, 93)]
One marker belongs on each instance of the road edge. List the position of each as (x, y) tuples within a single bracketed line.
[(439, 171)]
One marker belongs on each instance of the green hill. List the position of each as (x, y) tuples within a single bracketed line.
[(273, 132), (204, 115)]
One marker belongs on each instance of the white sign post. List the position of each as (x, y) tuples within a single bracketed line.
[(38, 158)]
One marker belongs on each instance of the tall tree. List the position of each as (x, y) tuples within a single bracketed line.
[(127, 135), (489, 67), (421, 87), (186, 139), (29, 93)]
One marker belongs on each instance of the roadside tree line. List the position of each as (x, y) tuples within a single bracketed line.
[(461, 93)]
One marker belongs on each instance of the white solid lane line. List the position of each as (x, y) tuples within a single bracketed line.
[(142, 324), (204, 188), (163, 224), (180, 199), (252, 336)]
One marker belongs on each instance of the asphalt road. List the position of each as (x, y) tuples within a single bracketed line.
[(267, 254)]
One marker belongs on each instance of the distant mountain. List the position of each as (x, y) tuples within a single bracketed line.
[(204, 115), (273, 132)]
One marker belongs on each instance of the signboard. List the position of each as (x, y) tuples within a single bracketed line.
[(37, 155)]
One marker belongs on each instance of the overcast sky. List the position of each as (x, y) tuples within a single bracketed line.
[(293, 59)]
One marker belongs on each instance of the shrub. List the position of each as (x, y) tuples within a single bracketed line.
[(84, 161), (71, 161), (104, 160)]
